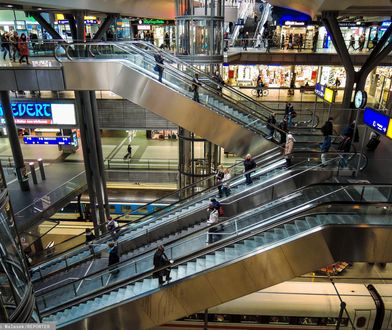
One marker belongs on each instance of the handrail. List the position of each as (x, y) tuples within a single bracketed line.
[(252, 211), (268, 224), (177, 192)]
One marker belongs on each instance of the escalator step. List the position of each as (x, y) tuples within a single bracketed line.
[(291, 229), (302, 225), (312, 221), (191, 267)]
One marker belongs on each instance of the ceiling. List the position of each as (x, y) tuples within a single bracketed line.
[(166, 8)]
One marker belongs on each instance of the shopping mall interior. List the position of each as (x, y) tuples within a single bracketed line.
[(205, 164)]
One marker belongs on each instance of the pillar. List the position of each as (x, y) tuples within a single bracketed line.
[(92, 159), (104, 27), (355, 78), (14, 142), (46, 25)]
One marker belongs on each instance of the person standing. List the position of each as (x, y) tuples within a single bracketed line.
[(195, 87), (89, 235), (14, 39), (226, 183), (5, 45), (271, 122), (315, 40), (245, 41), (220, 82), (327, 131), (288, 149), (112, 227), (249, 165), (114, 258), (212, 220), (300, 42), (23, 48), (161, 260), (283, 130), (159, 65), (258, 40), (167, 40), (361, 41), (219, 177)]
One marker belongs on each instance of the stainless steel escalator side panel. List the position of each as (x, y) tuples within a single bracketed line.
[(255, 272), (163, 101)]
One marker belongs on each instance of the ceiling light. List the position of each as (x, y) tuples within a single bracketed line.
[(9, 6)]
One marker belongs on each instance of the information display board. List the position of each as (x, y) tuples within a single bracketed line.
[(377, 121), (42, 113), (58, 140)]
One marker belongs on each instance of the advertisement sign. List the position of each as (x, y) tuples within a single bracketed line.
[(329, 95), (42, 113), (59, 140), (376, 120), (319, 90)]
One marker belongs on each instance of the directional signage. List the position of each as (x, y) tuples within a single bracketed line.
[(319, 90), (376, 120), (60, 140)]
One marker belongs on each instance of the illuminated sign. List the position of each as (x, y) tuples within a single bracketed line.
[(386, 24), (42, 113), (153, 21), (59, 140), (90, 21), (329, 95), (376, 120), (294, 23), (319, 90), (144, 27)]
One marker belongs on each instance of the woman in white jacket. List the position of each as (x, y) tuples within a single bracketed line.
[(226, 183), (212, 220)]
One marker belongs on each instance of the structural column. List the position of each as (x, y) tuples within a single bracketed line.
[(357, 78), (14, 142), (92, 159), (48, 28)]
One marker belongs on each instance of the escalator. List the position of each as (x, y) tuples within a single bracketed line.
[(252, 254), (231, 120)]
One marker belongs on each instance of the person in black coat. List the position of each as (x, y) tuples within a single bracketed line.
[(159, 65), (114, 258), (249, 164), (161, 260)]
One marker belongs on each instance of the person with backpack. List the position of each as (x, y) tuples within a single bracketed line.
[(160, 260), (271, 122), (327, 131), (159, 65), (249, 165), (219, 177)]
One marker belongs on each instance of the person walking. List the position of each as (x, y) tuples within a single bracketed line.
[(258, 40), (327, 131), (288, 149), (23, 49), (361, 41), (351, 43), (129, 152), (195, 87), (160, 260), (315, 40), (114, 258), (159, 65), (300, 42), (249, 165), (271, 122), (5, 45), (14, 39)]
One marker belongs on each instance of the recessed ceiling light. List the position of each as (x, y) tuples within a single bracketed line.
[(39, 8), (9, 6)]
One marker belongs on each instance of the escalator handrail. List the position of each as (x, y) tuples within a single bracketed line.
[(126, 262), (204, 251), (179, 191)]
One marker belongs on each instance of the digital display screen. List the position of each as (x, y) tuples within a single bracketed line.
[(42, 113), (57, 140), (376, 120)]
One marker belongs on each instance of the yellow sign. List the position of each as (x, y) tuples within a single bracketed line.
[(329, 95), (60, 17), (90, 17), (389, 132)]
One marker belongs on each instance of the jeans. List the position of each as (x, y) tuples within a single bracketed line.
[(226, 191), (160, 74), (326, 143), (196, 96), (248, 179), (343, 162)]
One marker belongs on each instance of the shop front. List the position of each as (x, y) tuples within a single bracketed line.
[(274, 76), (381, 87), (157, 31), (12, 20), (289, 34)]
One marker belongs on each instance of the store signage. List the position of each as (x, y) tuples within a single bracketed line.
[(153, 21), (386, 24), (294, 23), (62, 21), (144, 27), (329, 95), (90, 21), (319, 90), (377, 121), (42, 113), (351, 24), (58, 140)]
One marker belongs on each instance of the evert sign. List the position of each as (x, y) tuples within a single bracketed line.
[(42, 113)]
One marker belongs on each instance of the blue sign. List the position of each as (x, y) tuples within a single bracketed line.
[(30, 110), (319, 90), (376, 120), (62, 140)]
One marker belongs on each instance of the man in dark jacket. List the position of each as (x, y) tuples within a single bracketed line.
[(327, 131), (113, 257), (271, 122), (161, 260), (159, 65), (249, 164)]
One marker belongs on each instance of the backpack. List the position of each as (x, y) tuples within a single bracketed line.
[(221, 211)]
